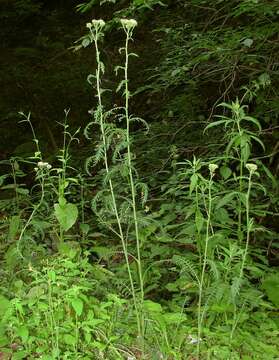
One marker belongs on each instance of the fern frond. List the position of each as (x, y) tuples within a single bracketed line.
[(186, 266), (140, 120), (143, 189)]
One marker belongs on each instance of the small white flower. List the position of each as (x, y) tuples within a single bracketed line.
[(251, 168), (48, 166), (36, 169), (40, 164), (89, 25), (212, 168)]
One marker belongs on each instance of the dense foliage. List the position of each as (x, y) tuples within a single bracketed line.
[(143, 225)]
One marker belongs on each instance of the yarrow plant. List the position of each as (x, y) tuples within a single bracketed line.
[(212, 168), (123, 137)]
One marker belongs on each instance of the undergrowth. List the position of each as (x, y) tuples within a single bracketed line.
[(95, 266)]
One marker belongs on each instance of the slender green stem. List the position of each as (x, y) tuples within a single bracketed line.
[(244, 257), (131, 177), (15, 184), (240, 235), (208, 222), (248, 226), (114, 204)]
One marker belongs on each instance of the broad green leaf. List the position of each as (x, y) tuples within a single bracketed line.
[(174, 318), (216, 123), (152, 306), (51, 275), (84, 228), (69, 248), (77, 304), (36, 292), (69, 339), (225, 172), (193, 182), (23, 332), (271, 287), (226, 199), (22, 354), (222, 216), (13, 227), (66, 215), (253, 120), (4, 305), (46, 357)]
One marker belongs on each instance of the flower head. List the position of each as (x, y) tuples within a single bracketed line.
[(98, 23), (252, 168), (129, 23), (43, 165), (212, 168)]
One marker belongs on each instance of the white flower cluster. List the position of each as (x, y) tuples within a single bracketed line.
[(129, 23), (96, 24), (252, 168), (212, 168), (43, 166)]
